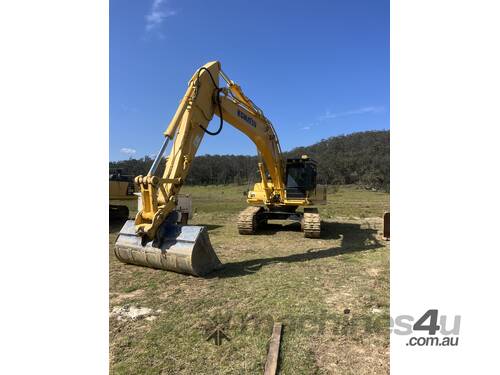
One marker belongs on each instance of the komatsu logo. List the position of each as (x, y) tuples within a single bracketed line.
[(246, 118)]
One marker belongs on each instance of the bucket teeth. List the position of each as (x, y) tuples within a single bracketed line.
[(183, 249)]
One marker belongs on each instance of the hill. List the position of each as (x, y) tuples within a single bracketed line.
[(358, 158)]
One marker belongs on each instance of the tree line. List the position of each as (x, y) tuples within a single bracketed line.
[(358, 158)]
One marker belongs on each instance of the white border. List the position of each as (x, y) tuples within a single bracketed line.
[(444, 178), (54, 152)]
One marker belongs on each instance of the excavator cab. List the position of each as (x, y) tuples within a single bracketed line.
[(300, 177)]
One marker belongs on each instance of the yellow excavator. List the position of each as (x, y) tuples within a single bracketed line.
[(154, 239), (121, 194)]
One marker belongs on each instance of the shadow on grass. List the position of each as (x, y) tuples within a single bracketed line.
[(270, 229), (329, 231), (209, 226), (115, 224), (354, 239)]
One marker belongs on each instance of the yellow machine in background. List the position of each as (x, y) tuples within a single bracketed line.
[(153, 239), (121, 195)]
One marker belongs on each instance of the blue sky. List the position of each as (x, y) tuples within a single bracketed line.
[(316, 68)]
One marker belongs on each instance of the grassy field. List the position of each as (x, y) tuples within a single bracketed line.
[(332, 295)]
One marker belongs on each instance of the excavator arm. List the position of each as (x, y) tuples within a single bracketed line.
[(202, 100)]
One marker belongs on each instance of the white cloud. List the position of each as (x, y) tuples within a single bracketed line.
[(309, 126), (128, 151), (157, 14), (333, 115), (358, 111)]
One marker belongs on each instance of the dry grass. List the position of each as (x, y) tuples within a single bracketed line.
[(332, 294)]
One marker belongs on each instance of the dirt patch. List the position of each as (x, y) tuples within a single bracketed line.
[(120, 297), (373, 223), (128, 312), (340, 355), (373, 271)]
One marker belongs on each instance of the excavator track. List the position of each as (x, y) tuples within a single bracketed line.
[(311, 224), (248, 220)]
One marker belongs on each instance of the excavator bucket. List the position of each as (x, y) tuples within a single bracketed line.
[(183, 249)]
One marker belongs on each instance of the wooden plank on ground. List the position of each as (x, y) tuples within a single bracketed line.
[(274, 351), (387, 223)]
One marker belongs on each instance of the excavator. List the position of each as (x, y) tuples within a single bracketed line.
[(121, 194), (155, 239)]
